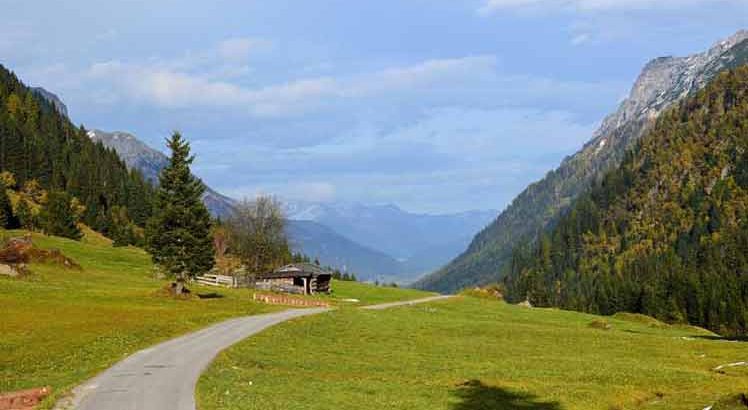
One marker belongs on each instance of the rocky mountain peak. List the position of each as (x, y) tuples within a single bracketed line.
[(662, 83), (667, 79), (53, 99)]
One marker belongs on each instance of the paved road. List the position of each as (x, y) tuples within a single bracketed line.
[(406, 303), (163, 377)]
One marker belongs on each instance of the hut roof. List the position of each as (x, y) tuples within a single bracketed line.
[(297, 270)]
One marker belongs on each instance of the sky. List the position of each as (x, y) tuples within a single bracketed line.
[(436, 106)]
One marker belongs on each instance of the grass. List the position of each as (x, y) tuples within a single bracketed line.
[(367, 294), (60, 327), (472, 353)]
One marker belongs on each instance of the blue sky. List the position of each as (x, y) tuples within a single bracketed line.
[(433, 105)]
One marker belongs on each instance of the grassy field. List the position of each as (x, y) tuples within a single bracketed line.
[(471, 353), (344, 294), (62, 326)]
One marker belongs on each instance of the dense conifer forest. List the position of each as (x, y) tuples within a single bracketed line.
[(666, 233), (42, 152)]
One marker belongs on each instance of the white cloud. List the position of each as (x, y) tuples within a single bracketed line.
[(239, 49), (580, 39), (450, 150), (492, 6), (160, 85)]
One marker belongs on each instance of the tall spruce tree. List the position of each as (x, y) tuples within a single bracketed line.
[(178, 234), (59, 218), (6, 210), (25, 216)]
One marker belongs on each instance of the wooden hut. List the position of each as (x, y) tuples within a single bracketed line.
[(300, 278)]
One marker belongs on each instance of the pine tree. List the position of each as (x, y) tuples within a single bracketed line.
[(26, 219), (6, 210), (59, 218), (178, 234)]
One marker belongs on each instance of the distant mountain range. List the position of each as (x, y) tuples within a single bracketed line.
[(663, 82), (377, 242), (421, 242)]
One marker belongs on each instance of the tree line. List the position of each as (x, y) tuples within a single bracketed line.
[(59, 173), (665, 233)]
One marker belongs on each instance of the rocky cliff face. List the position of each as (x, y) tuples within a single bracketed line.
[(662, 82), (52, 99)]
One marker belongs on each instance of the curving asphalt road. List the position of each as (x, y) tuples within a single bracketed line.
[(163, 377), (406, 303)]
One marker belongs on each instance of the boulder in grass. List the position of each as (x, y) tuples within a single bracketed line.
[(601, 324)]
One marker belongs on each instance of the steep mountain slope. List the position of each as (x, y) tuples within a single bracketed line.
[(137, 155), (39, 143), (662, 82), (666, 233), (53, 99), (423, 242)]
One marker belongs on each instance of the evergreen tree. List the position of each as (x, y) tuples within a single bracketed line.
[(666, 232), (39, 145), (6, 210), (178, 235), (59, 218), (26, 218)]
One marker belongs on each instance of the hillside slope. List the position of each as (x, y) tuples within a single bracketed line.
[(662, 82), (666, 233), (39, 144)]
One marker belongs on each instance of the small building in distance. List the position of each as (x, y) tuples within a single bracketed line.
[(300, 278)]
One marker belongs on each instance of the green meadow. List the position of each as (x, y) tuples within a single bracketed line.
[(473, 353), (61, 326)]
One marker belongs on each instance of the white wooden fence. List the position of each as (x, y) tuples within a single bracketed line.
[(218, 280)]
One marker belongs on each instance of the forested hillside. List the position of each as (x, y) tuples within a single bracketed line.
[(43, 153), (663, 82), (666, 233)]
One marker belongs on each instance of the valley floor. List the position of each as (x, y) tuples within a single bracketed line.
[(469, 353), (59, 327)]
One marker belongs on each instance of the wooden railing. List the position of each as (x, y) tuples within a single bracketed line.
[(218, 280)]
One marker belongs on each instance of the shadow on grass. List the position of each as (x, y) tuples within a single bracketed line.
[(211, 295), (474, 395), (723, 338)]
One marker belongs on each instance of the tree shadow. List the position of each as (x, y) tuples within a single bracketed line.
[(211, 295), (474, 395), (722, 338)]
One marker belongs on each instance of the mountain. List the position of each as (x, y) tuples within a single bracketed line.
[(311, 238), (665, 233), (40, 145), (333, 249), (51, 98), (663, 82), (137, 155), (421, 242)]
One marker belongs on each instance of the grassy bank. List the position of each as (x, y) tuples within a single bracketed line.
[(470, 353), (61, 326)]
